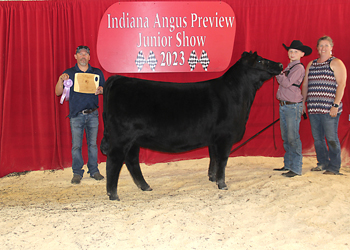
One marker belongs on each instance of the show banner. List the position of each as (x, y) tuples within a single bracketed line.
[(166, 37)]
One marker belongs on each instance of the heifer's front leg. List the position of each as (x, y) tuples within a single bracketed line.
[(217, 166), (213, 164), (220, 174), (113, 166), (133, 165), (222, 151)]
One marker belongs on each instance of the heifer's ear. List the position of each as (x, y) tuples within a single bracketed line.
[(255, 55), (244, 54), (246, 58)]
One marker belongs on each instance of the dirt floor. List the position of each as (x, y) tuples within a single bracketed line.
[(260, 210)]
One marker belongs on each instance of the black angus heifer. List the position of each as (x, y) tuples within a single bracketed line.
[(177, 117)]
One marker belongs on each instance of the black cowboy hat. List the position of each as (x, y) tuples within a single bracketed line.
[(296, 44)]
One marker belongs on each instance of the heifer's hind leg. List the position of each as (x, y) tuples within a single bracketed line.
[(115, 160), (133, 165)]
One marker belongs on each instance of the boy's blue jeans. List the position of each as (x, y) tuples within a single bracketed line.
[(290, 116), (324, 126), (89, 123)]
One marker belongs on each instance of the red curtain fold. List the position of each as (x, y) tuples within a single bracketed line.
[(38, 40)]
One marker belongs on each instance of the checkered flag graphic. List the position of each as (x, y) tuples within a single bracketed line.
[(140, 60), (193, 60), (151, 60), (204, 60)]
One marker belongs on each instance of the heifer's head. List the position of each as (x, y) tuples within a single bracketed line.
[(262, 68)]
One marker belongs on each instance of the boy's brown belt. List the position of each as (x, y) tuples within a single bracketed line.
[(287, 103)]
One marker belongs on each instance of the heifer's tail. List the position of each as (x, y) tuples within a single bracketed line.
[(105, 140)]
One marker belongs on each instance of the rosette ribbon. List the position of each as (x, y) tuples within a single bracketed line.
[(67, 84)]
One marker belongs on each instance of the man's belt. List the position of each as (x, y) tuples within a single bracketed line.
[(88, 111)]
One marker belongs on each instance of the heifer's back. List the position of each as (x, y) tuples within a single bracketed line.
[(176, 117)]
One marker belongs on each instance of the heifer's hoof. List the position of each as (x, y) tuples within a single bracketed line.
[(146, 188), (212, 178), (113, 197), (222, 186)]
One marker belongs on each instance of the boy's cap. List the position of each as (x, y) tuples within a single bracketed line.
[(296, 44), (81, 47)]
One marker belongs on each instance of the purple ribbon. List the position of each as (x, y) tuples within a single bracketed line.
[(67, 84)]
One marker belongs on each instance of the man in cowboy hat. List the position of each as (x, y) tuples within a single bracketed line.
[(291, 107)]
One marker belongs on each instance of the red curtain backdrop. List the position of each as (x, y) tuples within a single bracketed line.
[(38, 41)]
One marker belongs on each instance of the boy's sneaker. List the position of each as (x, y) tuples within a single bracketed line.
[(76, 179), (97, 176), (289, 174)]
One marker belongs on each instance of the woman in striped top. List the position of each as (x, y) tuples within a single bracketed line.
[(323, 90)]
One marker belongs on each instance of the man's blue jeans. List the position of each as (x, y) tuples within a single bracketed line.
[(324, 126), (89, 123), (290, 116)]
